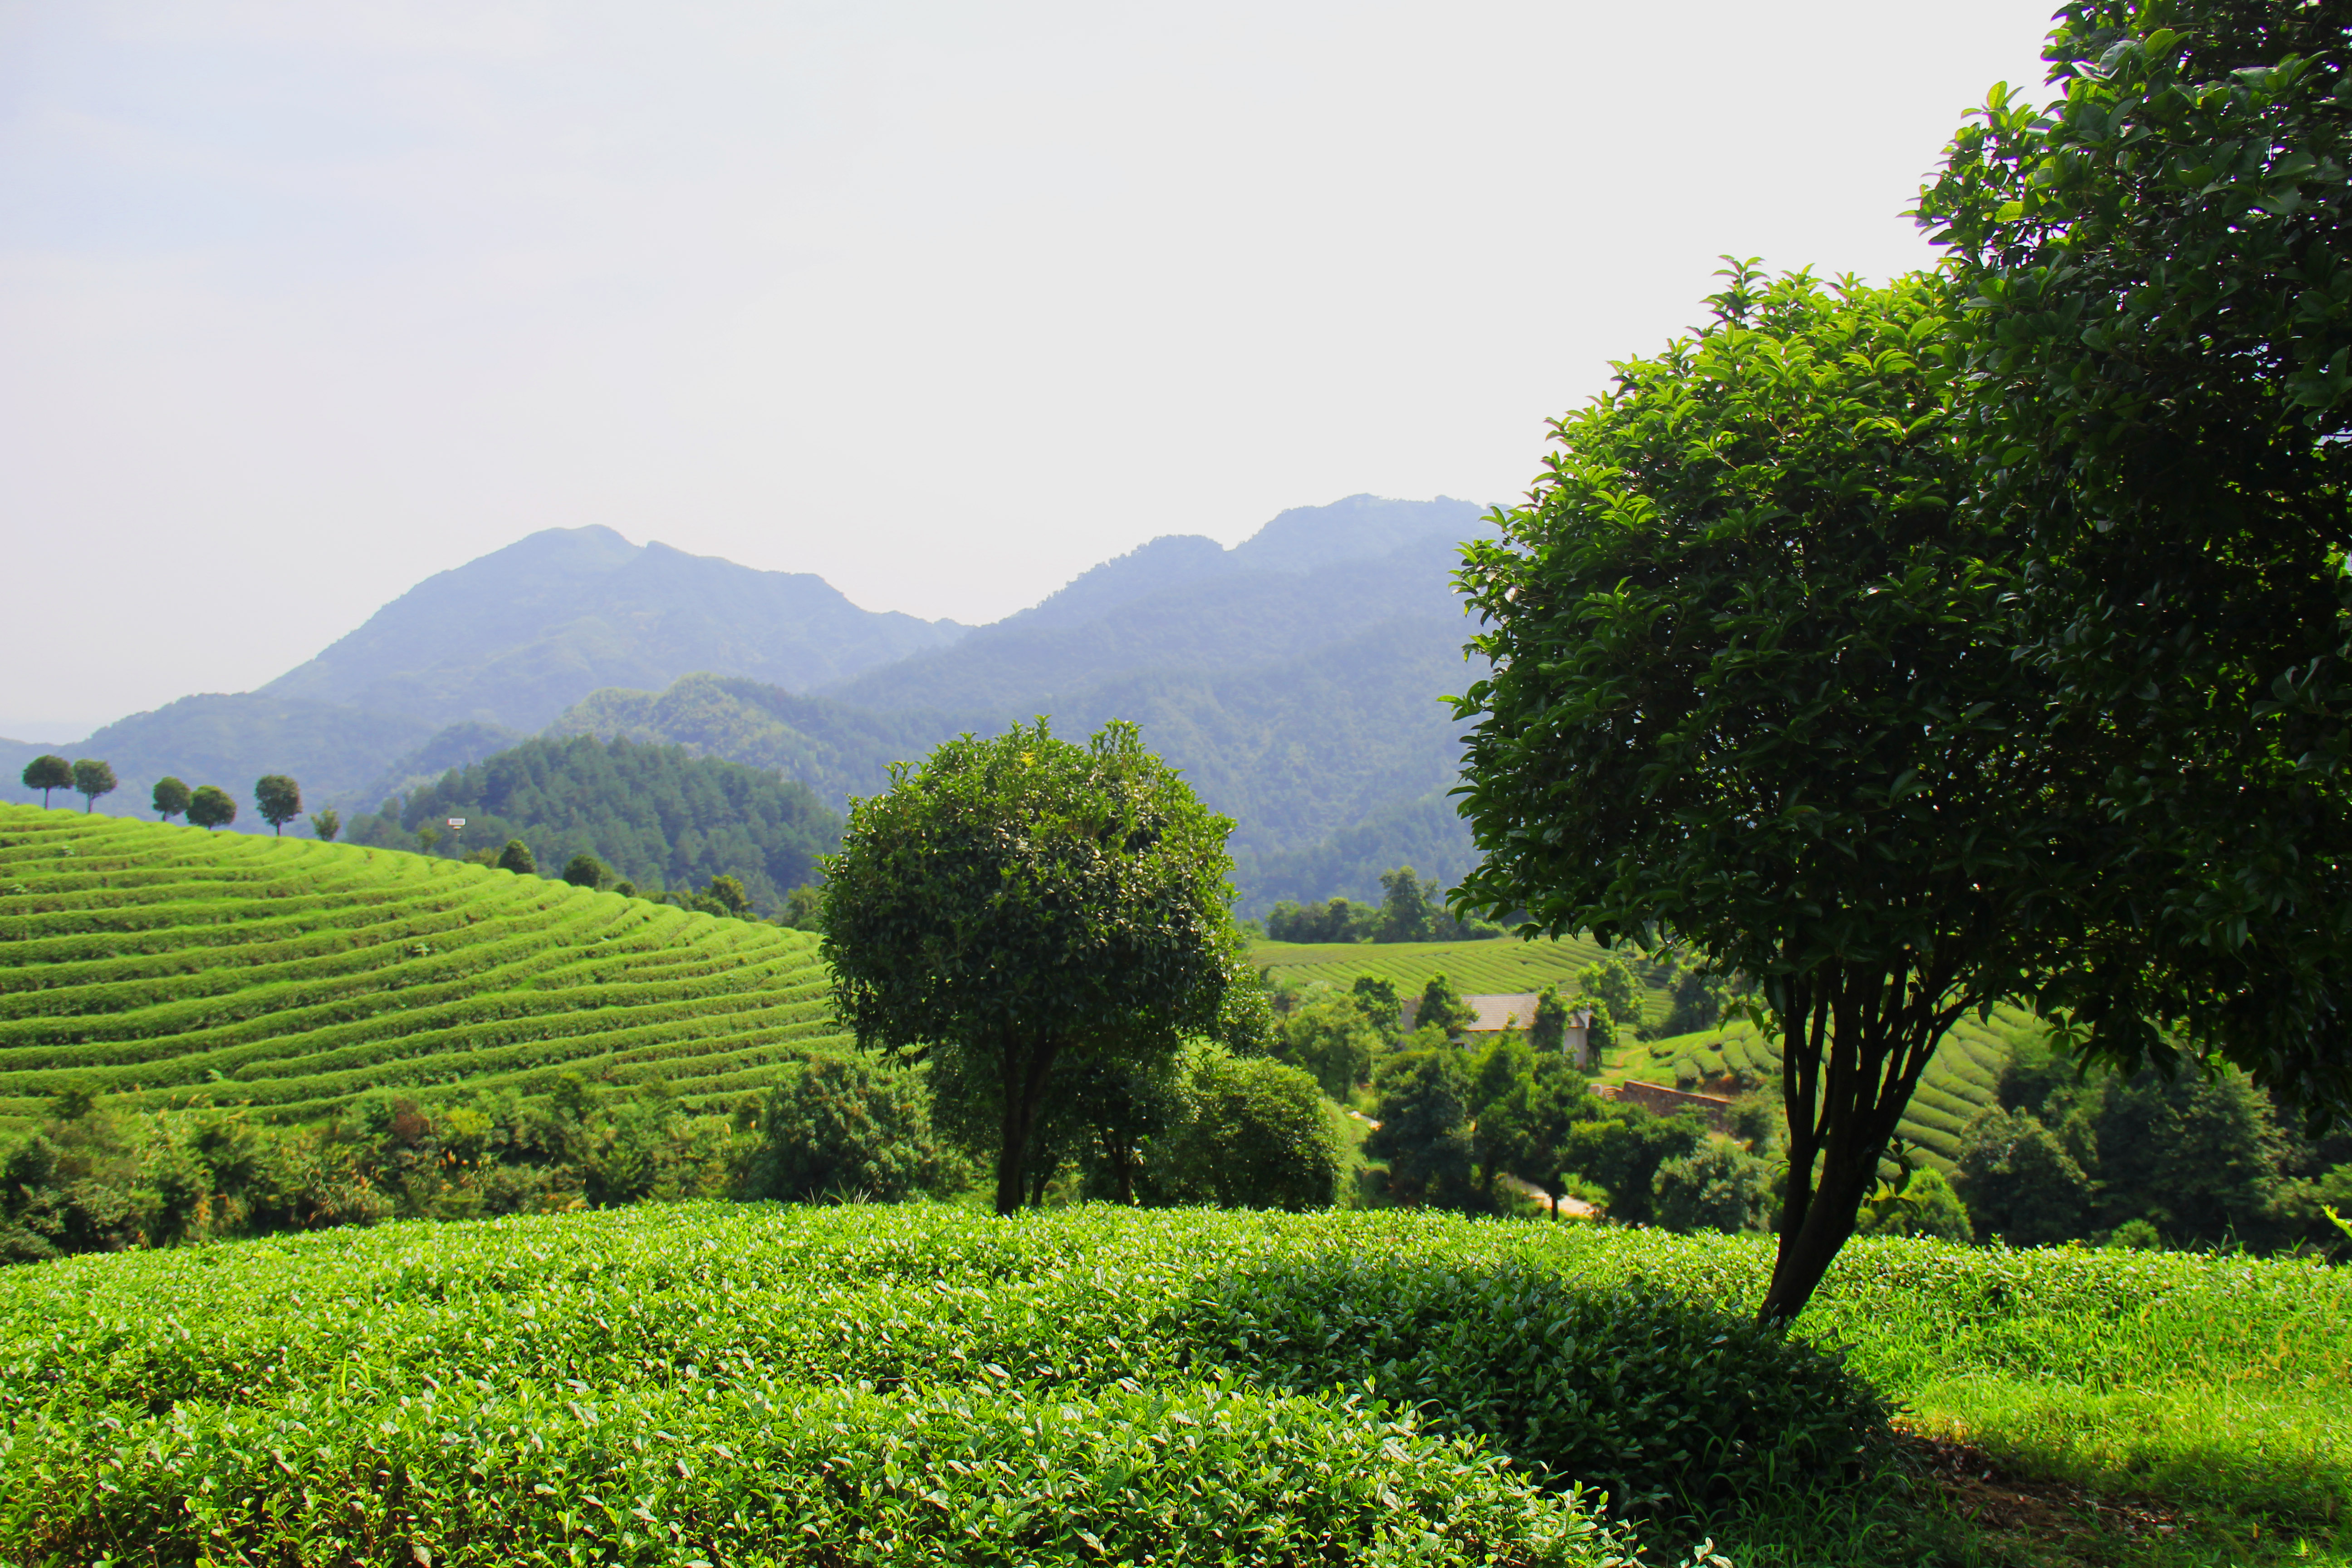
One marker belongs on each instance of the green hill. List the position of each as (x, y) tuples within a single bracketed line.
[(655, 815), (166, 964), (1481, 967)]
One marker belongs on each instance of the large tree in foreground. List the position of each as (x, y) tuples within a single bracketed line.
[(2158, 279), (1016, 899), (1750, 691)]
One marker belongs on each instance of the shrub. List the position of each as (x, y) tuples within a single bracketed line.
[(1670, 1407), (1717, 1187), (516, 857), (1259, 1135), (848, 1128)]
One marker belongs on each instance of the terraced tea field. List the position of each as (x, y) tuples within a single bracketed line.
[(1479, 967), (166, 963)]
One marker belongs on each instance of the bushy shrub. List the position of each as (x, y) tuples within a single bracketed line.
[(1256, 1134), (1717, 1187), (846, 1127), (1671, 1408)]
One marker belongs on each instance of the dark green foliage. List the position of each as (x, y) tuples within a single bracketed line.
[(1927, 1205), (170, 799), (584, 871), (1623, 1151), (1255, 1134), (2158, 283), (1337, 919), (516, 857), (1670, 1407), (655, 812), (2021, 1184), (1719, 1186), (1330, 1037), (91, 779), (1547, 1031), (211, 806), (279, 799), (1442, 1009), (1411, 910), (326, 823), (1379, 999), (47, 772), (1019, 897), (1424, 1127), (1752, 692), (843, 1129), (804, 909)]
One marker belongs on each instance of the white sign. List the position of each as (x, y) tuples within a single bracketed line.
[(457, 821)]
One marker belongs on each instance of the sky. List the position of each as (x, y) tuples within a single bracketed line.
[(302, 302)]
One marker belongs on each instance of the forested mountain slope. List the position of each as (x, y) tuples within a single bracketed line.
[(653, 815)]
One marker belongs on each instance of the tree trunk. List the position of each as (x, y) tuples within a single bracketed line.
[(1022, 1075), (1854, 1041)]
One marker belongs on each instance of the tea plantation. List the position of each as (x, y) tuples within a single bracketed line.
[(730, 1384), (163, 963)]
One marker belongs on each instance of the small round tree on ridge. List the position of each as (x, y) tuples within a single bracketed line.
[(211, 806), (279, 798), (91, 779), (48, 772), (170, 799), (516, 857)]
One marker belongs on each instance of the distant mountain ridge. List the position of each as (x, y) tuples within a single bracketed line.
[(517, 636), (1294, 678)]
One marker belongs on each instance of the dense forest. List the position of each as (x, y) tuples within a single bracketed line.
[(655, 815)]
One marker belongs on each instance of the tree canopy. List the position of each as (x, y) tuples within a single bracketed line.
[(48, 772), (92, 778), (279, 799), (2157, 283), (211, 806), (1018, 897), (170, 799), (1749, 690)]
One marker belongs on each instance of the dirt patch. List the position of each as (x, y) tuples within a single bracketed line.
[(2029, 1520)]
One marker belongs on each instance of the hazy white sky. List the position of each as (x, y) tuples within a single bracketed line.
[(301, 302)]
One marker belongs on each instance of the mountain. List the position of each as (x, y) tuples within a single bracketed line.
[(517, 636)]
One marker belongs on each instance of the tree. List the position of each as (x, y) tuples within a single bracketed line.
[(1609, 991), (584, 871), (728, 893), (1407, 913), (2158, 280), (1259, 1135), (1424, 1127), (516, 857), (48, 772), (1751, 690), (1623, 1152), (843, 1127), (279, 799), (1020, 897), (1548, 1030), (2019, 1181), (1442, 1009), (211, 806), (804, 908), (90, 780), (1330, 1039), (326, 824), (427, 835), (1926, 1205), (170, 799), (1717, 1187)]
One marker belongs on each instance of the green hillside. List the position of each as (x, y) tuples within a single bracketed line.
[(166, 964), (1959, 1081), (1478, 967)]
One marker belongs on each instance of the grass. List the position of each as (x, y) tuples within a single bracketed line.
[(1497, 966), (167, 964), (635, 1384)]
